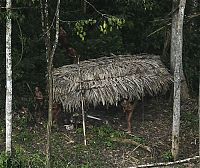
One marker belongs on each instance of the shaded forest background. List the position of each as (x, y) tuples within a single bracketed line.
[(146, 30)]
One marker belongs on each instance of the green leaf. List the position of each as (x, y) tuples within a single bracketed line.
[(110, 21), (101, 28), (94, 21), (104, 24)]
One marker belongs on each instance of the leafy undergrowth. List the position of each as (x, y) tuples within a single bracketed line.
[(107, 143)]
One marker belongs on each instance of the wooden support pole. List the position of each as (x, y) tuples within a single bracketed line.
[(82, 103)]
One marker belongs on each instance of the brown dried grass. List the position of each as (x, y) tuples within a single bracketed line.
[(107, 80)]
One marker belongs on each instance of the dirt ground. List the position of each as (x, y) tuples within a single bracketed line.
[(108, 145), (152, 122)]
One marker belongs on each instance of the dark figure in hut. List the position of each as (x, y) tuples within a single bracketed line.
[(64, 41), (39, 106), (56, 112), (59, 117), (128, 108)]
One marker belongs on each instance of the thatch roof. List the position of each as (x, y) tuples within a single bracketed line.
[(107, 80)]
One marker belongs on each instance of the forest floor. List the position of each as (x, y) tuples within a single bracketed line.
[(108, 146)]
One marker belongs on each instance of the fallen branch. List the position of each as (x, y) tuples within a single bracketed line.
[(95, 118), (166, 163), (130, 141)]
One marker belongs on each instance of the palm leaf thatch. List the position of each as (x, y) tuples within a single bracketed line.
[(107, 80)]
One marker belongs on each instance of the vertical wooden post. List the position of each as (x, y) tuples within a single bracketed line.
[(83, 118), (82, 102)]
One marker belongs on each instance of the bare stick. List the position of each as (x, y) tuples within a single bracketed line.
[(82, 104), (22, 44), (95, 118), (166, 163), (100, 13), (83, 116)]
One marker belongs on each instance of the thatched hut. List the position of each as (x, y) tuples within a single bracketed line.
[(107, 80)]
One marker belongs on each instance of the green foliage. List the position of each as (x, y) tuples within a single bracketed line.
[(80, 27), (191, 56), (79, 130), (105, 135), (20, 159), (111, 22), (190, 119), (123, 28), (139, 139), (2, 16), (3, 160), (167, 156), (148, 4), (87, 165), (27, 2), (24, 136), (105, 25)]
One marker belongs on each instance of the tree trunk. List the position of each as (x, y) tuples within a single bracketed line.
[(199, 108), (177, 51), (8, 106), (174, 32), (50, 54), (46, 32), (173, 35)]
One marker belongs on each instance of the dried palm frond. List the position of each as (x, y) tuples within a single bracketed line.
[(107, 80)]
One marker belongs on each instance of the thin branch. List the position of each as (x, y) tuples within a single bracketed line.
[(173, 11), (159, 29), (49, 28), (57, 30), (100, 13), (192, 16), (42, 15), (47, 34), (19, 8), (22, 48), (71, 21), (166, 163), (186, 20), (30, 89), (74, 11)]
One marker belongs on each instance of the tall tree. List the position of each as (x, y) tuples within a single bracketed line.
[(50, 51), (176, 45), (199, 108), (8, 106)]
